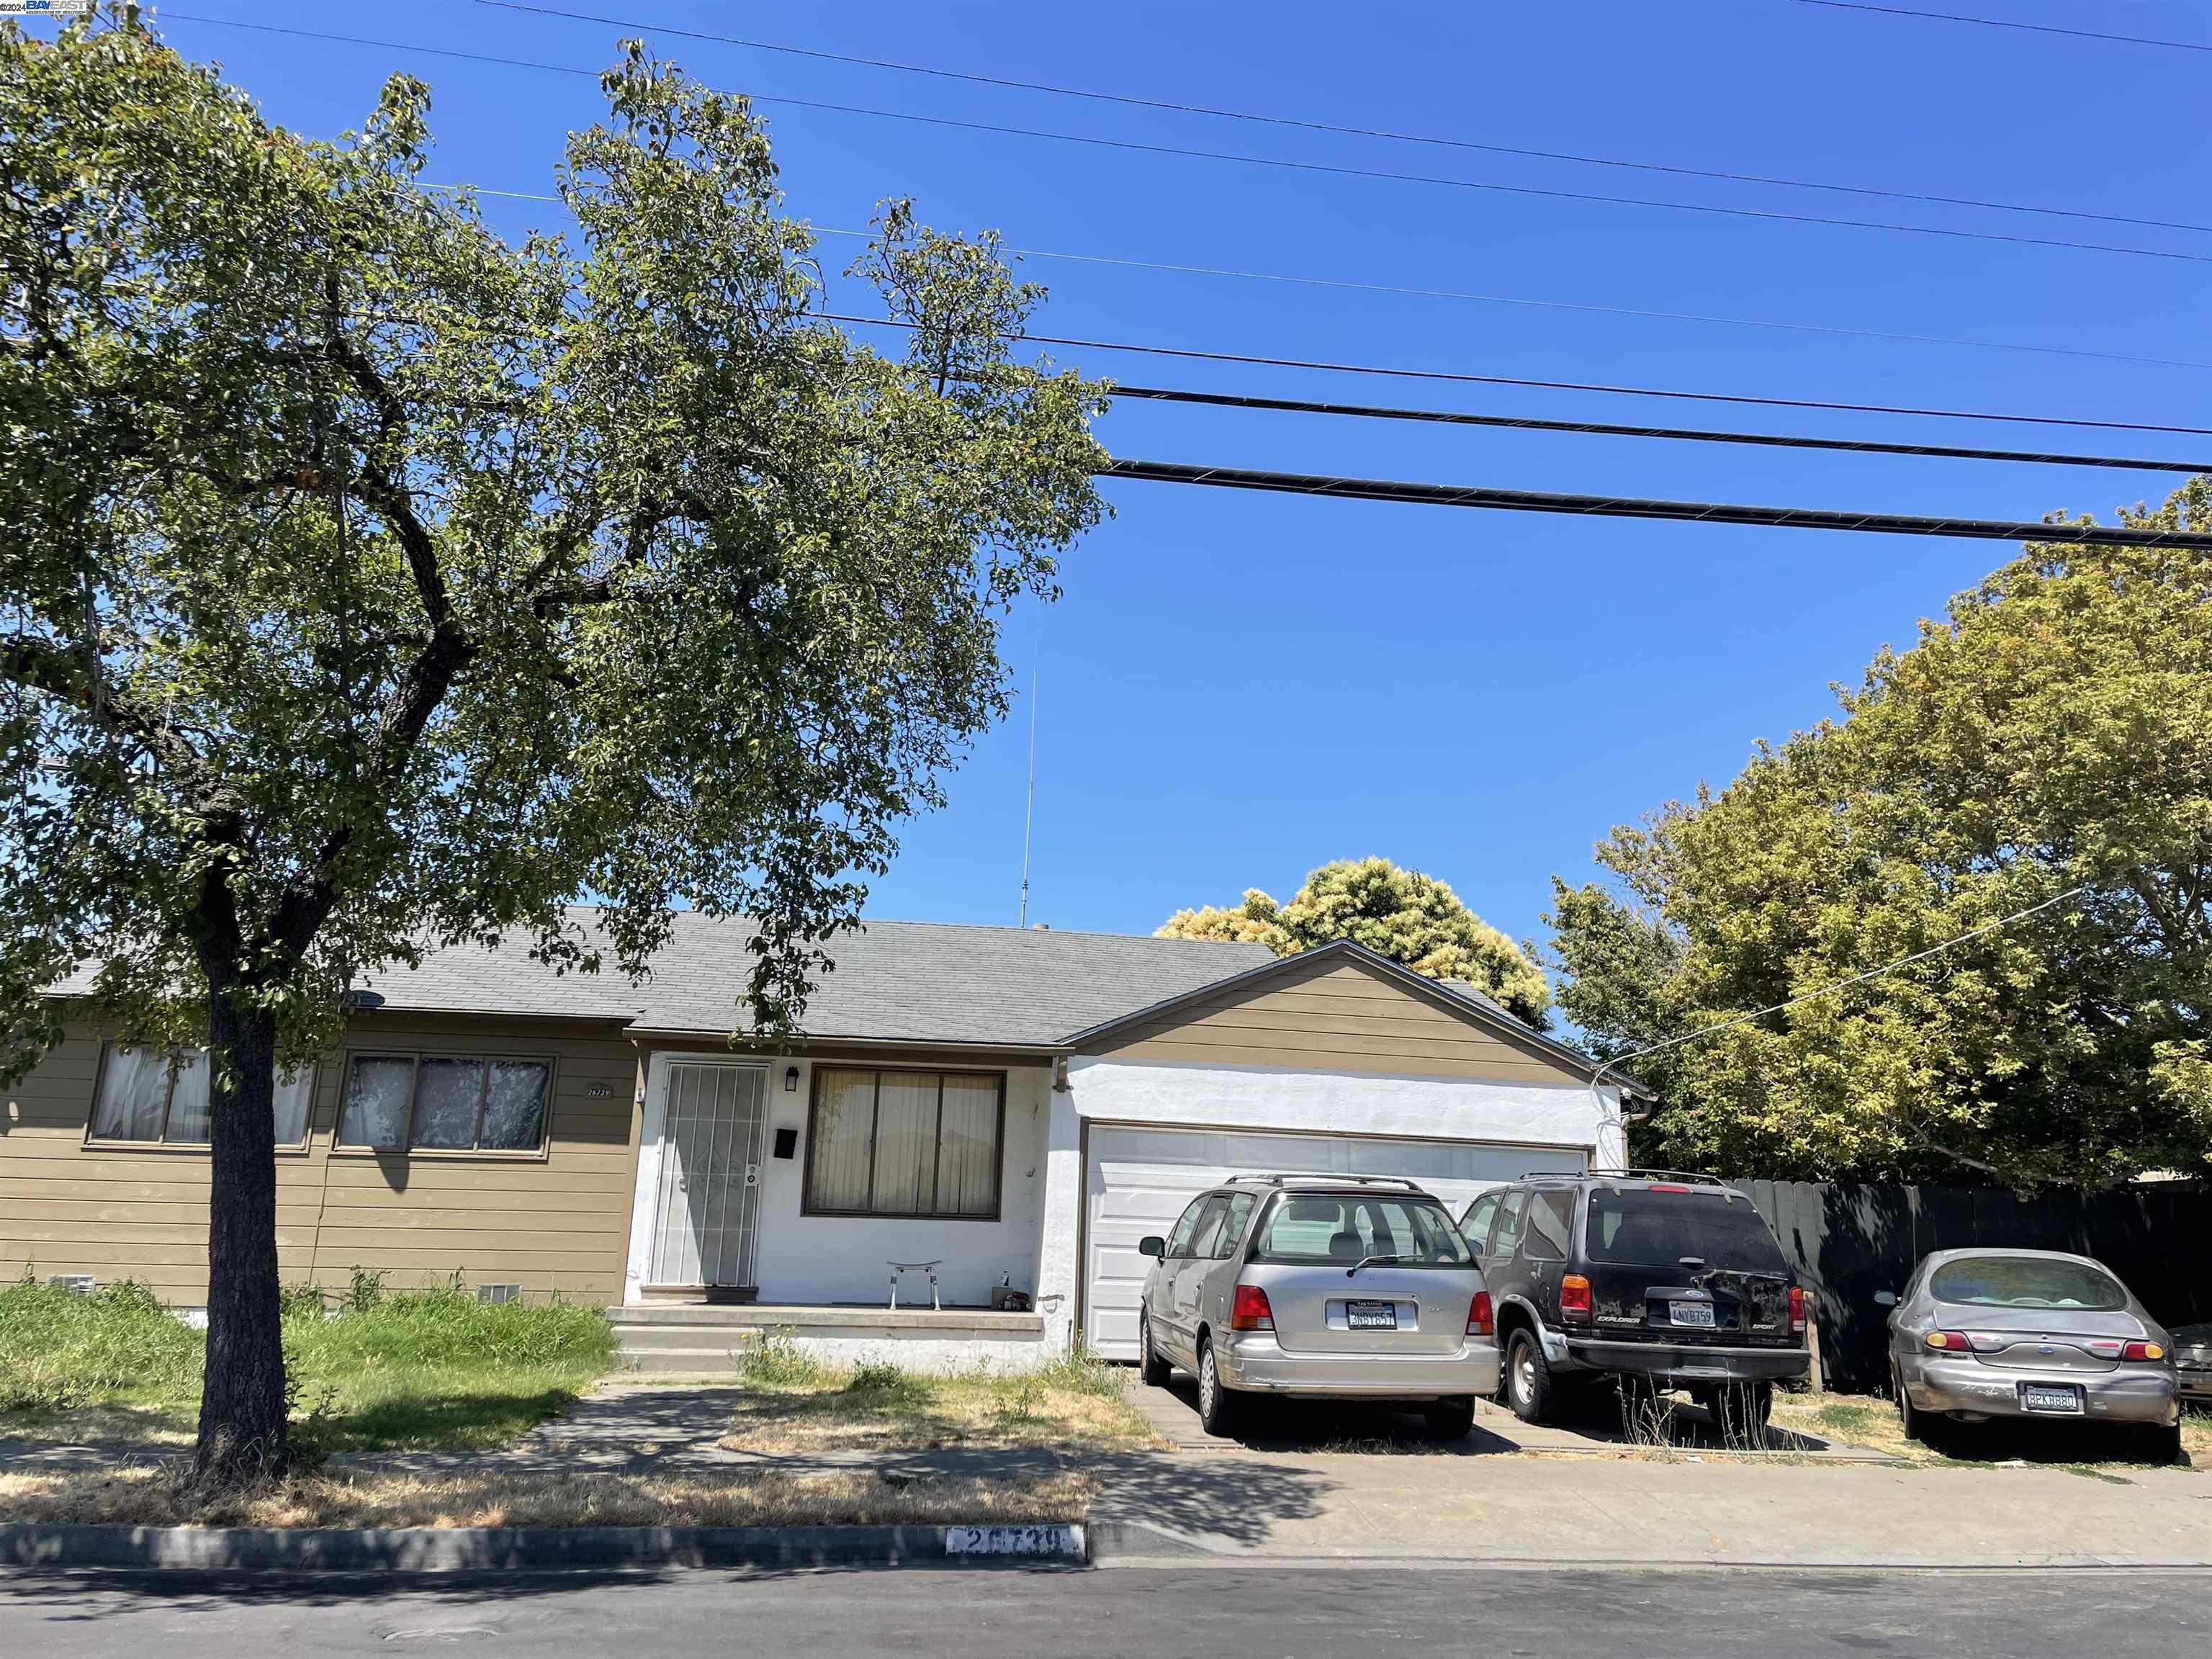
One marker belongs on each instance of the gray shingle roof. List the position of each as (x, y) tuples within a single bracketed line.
[(894, 981)]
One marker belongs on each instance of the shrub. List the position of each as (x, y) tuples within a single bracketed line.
[(1082, 1371)]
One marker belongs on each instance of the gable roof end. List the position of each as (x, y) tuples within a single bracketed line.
[(1466, 1001)]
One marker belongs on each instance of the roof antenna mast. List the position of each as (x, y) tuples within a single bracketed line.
[(1028, 810)]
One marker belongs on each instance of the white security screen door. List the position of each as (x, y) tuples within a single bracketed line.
[(707, 1222)]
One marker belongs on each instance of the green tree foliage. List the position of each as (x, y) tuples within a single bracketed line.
[(370, 582), (1399, 914), (2055, 732)]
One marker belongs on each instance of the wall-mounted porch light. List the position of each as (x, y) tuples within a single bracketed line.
[(791, 1080)]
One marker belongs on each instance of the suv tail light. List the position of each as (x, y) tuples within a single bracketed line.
[(1796, 1310), (1481, 1322), (2143, 1350), (1251, 1311), (1574, 1297)]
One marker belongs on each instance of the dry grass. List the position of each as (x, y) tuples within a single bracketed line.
[(1870, 1421), (794, 1405), (151, 1496)]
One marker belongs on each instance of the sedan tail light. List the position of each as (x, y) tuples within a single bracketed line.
[(1796, 1310), (1251, 1311), (1574, 1297), (1949, 1341), (1481, 1322), (2143, 1350)]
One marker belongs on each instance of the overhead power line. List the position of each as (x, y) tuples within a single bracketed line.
[(1841, 985), (2007, 23), (1622, 507), (1461, 378), (1259, 118), (1468, 297), (1692, 435), (1130, 146)]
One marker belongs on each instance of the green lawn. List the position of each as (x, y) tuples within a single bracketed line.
[(411, 1369)]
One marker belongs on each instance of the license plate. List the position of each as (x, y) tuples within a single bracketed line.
[(2065, 1400), (1699, 1314), (1371, 1316)]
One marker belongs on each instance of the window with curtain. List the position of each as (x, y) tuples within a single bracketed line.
[(445, 1103), (897, 1143), (159, 1096)]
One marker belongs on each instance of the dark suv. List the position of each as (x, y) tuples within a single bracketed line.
[(1672, 1281)]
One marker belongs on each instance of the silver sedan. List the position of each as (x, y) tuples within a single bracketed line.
[(1984, 1332)]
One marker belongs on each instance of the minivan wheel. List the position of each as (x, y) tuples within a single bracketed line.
[(1451, 1419), (1150, 1367), (1215, 1412), (1529, 1386)]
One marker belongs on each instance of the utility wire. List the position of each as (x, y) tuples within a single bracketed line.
[(1888, 968), (2007, 23), (1464, 379), (1621, 506), (1468, 297), (1693, 434), (1133, 101), (1187, 153)]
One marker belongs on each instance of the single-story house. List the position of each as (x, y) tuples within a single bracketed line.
[(1019, 1106)]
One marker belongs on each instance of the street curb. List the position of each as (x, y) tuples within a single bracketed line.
[(28, 1546)]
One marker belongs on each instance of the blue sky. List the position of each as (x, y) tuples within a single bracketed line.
[(1238, 687)]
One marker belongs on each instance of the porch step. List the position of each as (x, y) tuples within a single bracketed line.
[(705, 1340)]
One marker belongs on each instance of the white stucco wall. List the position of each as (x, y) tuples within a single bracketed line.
[(1348, 1103), (826, 1258)]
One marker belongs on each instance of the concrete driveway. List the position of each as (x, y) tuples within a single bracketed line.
[(1282, 1425)]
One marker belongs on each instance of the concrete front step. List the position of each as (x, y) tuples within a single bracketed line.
[(707, 1340)]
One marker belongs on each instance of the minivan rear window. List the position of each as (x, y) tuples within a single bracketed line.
[(1658, 1229), (2025, 1281), (1321, 1228)]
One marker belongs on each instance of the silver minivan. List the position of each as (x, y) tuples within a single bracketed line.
[(1323, 1287)]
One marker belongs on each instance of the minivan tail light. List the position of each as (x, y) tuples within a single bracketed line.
[(1796, 1310), (2143, 1350), (1481, 1322), (1574, 1297), (1251, 1311)]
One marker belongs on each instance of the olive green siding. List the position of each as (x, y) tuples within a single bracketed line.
[(552, 1221)]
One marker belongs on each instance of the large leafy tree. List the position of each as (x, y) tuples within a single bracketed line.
[(2054, 734), (370, 581), (1403, 914)]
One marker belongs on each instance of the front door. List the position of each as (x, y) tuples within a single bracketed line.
[(706, 1218)]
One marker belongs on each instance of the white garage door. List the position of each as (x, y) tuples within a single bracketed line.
[(1140, 1179)]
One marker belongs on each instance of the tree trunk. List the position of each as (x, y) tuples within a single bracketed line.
[(242, 1436)]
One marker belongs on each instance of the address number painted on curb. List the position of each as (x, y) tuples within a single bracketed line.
[(1013, 1541)]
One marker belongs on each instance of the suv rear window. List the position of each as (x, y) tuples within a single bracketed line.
[(1319, 1228), (1657, 1229), (2025, 1281)]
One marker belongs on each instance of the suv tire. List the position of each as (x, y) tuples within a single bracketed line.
[(1740, 1411), (1216, 1414), (1530, 1389), (1452, 1418), (1150, 1367)]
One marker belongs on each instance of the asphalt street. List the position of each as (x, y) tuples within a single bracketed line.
[(1219, 1611)]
